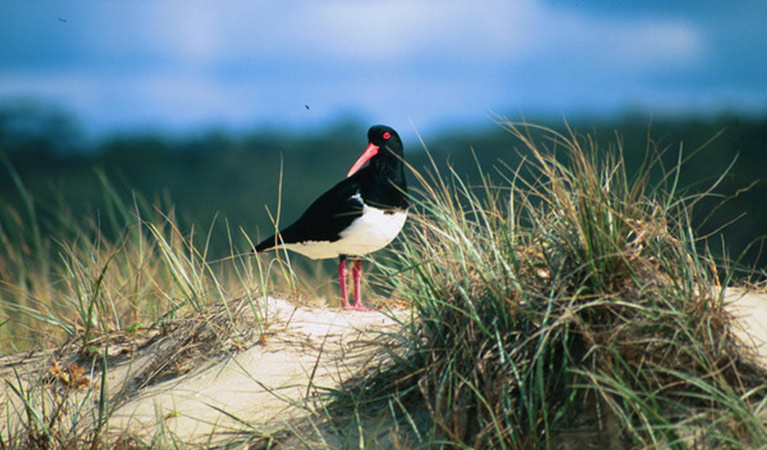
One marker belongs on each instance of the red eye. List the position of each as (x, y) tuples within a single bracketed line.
[(386, 135)]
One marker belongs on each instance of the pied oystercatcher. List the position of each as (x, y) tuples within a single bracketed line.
[(359, 215)]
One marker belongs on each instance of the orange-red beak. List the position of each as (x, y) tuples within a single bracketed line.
[(369, 152)]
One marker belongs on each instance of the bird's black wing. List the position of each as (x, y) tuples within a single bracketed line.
[(328, 216)]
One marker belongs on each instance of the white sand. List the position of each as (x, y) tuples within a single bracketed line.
[(750, 327), (266, 386)]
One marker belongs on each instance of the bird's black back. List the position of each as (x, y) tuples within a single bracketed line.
[(380, 185)]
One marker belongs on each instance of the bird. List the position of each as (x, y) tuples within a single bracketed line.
[(361, 214)]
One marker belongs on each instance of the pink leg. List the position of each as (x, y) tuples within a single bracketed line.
[(342, 280), (357, 274)]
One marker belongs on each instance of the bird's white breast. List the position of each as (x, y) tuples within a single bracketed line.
[(371, 231)]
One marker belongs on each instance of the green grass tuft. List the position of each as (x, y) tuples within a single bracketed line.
[(569, 301)]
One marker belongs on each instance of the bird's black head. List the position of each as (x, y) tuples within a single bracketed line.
[(383, 136), (383, 144)]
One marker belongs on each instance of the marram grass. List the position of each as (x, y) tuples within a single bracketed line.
[(130, 266), (86, 286), (567, 304)]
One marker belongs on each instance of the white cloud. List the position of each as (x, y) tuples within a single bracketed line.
[(203, 34), (631, 44), (491, 31), (237, 60)]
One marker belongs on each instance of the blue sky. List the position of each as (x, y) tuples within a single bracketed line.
[(190, 64)]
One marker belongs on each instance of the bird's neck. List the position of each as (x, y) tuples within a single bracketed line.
[(391, 170), (386, 186)]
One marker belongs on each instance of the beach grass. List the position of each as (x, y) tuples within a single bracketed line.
[(563, 301)]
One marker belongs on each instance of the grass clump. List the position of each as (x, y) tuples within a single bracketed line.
[(129, 266), (569, 303), (81, 296)]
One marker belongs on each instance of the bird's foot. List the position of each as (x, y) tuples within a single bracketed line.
[(357, 307)]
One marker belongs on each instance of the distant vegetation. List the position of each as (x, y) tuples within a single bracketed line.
[(219, 174)]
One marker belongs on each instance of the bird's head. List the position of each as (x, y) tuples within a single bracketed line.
[(379, 137)]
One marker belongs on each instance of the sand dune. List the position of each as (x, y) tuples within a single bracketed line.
[(270, 383)]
